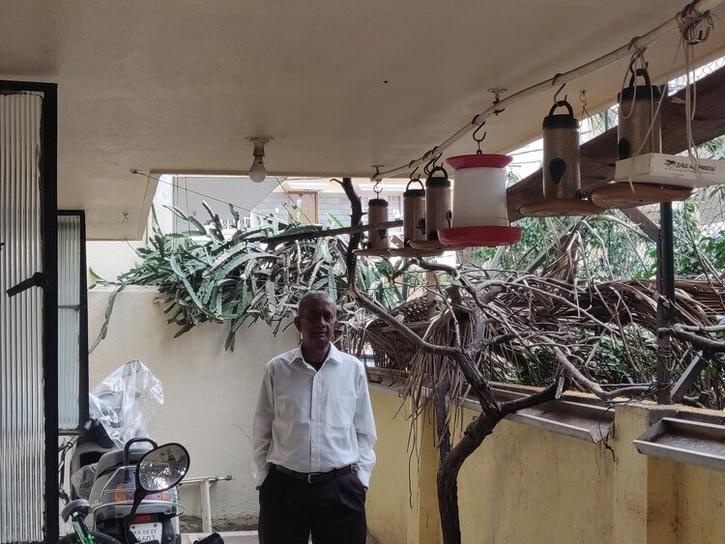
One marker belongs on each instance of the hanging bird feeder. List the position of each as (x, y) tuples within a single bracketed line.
[(378, 238), (437, 208), (480, 215), (561, 168), (413, 221), (639, 132)]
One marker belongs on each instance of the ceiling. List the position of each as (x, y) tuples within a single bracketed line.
[(178, 85)]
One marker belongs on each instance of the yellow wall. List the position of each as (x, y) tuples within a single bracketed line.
[(388, 497), (700, 509), (526, 484)]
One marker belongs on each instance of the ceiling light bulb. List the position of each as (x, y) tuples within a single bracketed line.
[(257, 172)]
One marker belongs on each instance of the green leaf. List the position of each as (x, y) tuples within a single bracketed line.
[(189, 289), (107, 319)]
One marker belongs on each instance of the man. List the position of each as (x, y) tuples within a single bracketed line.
[(313, 435)]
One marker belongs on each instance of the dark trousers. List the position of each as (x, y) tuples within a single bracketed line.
[(290, 510)]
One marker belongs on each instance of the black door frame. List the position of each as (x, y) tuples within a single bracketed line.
[(82, 321), (49, 201)]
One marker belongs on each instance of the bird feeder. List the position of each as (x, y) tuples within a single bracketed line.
[(561, 168), (639, 132), (413, 213), (413, 221), (480, 215), (637, 112), (377, 238), (438, 212)]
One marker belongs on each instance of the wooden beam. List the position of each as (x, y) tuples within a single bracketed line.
[(599, 154)]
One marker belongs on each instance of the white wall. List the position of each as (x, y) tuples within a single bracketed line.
[(110, 259), (209, 393)]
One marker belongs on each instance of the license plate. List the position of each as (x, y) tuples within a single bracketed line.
[(146, 532)]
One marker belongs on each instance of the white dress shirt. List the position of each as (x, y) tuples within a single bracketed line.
[(314, 421)]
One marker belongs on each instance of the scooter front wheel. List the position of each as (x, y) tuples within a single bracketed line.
[(100, 538)]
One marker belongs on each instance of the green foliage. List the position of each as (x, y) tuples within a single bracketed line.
[(611, 247), (205, 276)]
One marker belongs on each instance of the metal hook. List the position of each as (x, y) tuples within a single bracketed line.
[(496, 91), (583, 100), (412, 174), (377, 189), (558, 91), (376, 176), (431, 164), (479, 140), (638, 55)]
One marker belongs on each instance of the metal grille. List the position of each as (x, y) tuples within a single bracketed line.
[(22, 432), (69, 322)]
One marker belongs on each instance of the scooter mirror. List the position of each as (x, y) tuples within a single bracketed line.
[(162, 468)]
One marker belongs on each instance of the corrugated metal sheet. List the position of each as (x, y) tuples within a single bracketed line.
[(69, 308), (22, 434)]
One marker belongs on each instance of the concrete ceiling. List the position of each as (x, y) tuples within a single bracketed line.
[(177, 85)]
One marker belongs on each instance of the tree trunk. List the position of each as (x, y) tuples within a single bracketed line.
[(473, 436)]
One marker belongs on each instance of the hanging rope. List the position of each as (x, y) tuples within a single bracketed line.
[(698, 8), (695, 28)]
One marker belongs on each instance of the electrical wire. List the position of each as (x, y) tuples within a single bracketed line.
[(199, 193), (294, 204)]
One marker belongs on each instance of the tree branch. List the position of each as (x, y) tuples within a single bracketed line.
[(529, 401), (325, 233), (435, 349), (593, 386), (700, 342)]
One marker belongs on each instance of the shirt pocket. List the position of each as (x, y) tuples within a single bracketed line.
[(339, 409)]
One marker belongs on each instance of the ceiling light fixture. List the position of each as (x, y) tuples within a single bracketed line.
[(257, 171)]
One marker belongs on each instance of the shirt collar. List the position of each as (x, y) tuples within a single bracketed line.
[(332, 355)]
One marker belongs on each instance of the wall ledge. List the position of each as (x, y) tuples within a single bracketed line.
[(577, 416)]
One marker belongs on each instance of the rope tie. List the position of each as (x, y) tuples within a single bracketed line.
[(695, 27)]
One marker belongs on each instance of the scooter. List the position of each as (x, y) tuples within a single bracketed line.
[(114, 490), (158, 471)]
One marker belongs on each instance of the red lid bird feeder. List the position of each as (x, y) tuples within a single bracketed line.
[(480, 215)]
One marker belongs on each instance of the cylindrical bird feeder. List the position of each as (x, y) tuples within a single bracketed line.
[(637, 112), (639, 132), (413, 213), (480, 216), (377, 238), (377, 213), (437, 208), (560, 169), (438, 212), (414, 223)]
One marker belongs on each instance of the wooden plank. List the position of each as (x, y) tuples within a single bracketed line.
[(599, 154)]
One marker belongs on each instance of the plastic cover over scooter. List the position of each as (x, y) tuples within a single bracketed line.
[(126, 401)]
